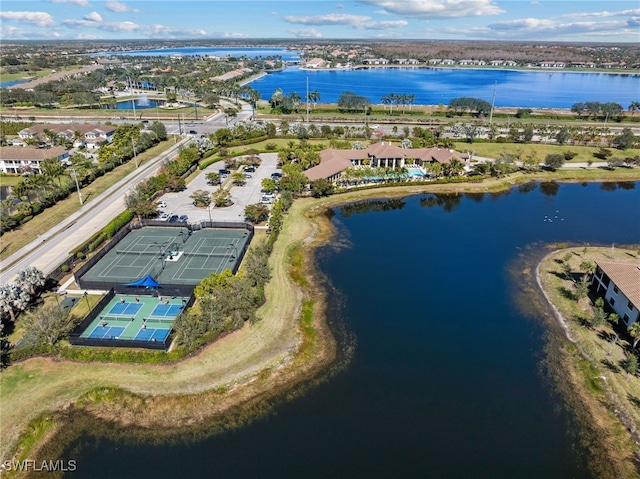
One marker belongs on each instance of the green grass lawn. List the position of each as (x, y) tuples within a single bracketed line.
[(584, 153)]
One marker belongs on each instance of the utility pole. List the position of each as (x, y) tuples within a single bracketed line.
[(307, 99), (135, 156), (75, 177), (493, 102)]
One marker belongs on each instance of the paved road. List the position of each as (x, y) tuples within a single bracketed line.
[(50, 249)]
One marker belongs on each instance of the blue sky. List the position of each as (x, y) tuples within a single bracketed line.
[(544, 20)]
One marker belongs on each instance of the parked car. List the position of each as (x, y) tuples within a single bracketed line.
[(247, 175), (276, 176), (224, 171), (163, 217), (193, 132), (250, 169), (173, 218), (266, 200), (183, 218), (162, 204)]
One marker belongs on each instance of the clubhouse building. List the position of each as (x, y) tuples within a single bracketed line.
[(384, 154)]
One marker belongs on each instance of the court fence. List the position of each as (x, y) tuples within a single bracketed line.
[(76, 339), (176, 288)]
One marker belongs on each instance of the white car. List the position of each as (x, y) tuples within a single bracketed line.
[(162, 204), (163, 217)]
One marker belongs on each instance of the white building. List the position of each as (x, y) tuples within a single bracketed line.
[(23, 159), (619, 285)]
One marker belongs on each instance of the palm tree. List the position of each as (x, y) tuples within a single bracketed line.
[(29, 278), (386, 100), (634, 106), (313, 97), (634, 331)]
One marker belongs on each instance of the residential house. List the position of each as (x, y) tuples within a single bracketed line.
[(21, 159), (551, 64), (315, 63), (88, 135), (619, 285)]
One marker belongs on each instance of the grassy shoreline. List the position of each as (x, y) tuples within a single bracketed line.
[(592, 379), (233, 379)]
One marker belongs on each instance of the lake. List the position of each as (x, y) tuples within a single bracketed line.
[(446, 378), (431, 86), (435, 86)]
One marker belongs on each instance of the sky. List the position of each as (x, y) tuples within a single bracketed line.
[(542, 20)]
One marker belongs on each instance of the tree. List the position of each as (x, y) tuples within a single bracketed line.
[(159, 129), (630, 364), (13, 299), (256, 213), (625, 140), (52, 168), (582, 288), (562, 136), (213, 178), (554, 161), (47, 325), (30, 278), (200, 198), (321, 187), (350, 102), (313, 97), (268, 185), (634, 332)]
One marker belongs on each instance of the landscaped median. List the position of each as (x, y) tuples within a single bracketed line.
[(605, 392)]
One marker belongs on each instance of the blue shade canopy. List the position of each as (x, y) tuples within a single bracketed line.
[(147, 282)]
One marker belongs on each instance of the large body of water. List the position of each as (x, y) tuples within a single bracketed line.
[(435, 86), (431, 86), (445, 380)]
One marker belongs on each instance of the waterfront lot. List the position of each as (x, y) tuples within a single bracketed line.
[(181, 203)]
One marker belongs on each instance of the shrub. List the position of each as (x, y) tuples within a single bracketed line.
[(80, 255), (64, 268)]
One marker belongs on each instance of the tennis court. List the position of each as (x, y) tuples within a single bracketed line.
[(170, 255), (135, 318)]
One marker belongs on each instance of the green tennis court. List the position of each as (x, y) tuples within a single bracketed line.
[(171, 256), (136, 318)]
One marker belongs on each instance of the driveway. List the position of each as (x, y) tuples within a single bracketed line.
[(180, 203)]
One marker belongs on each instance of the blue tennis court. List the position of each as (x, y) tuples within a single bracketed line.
[(166, 311), (125, 309), (152, 334), (106, 332)]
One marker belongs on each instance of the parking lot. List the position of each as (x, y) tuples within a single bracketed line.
[(181, 203)]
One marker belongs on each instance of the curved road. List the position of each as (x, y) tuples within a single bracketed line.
[(49, 250)]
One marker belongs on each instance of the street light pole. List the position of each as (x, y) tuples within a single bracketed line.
[(75, 177)]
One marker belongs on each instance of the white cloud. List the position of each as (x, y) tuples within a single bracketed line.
[(40, 19), (359, 22), (386, 25), (622, 13), (93, 17), (437, 8), (306, 33), (551, 29), (16, 33), (330, 19), (79, 3), (127, 27), (119, 7)]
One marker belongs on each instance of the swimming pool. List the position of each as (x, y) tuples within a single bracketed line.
[(415, 173)]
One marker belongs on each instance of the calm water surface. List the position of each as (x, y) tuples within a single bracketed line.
[(445, 380), (434, 86)]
